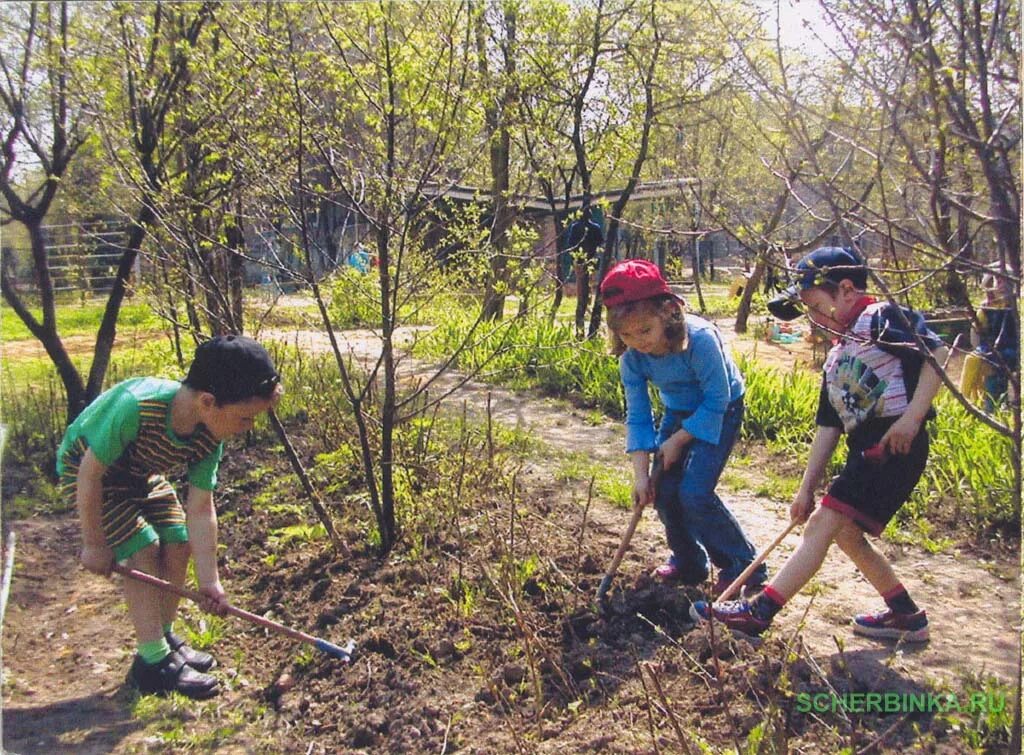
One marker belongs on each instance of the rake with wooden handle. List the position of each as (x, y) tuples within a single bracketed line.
[(655, 478), (341, 653)]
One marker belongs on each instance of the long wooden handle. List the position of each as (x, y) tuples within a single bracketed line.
[(738, 582), (638, 510), (341, 653)]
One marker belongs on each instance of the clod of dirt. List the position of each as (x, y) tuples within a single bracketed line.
[(378, 643), (600, 743), (590, 565), (444, 650), (645, 596), (513, 674), (319, 589), (328, 618), (727, 644), (292, 706), (801, 670), (643, 581), (284, 683), (581, 625), (550, 731), (532, 587), (486, 696), (581, 670), (378, 722), (363, 736), (414, 575)]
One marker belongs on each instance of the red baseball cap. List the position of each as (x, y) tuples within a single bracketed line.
[(633, 280)]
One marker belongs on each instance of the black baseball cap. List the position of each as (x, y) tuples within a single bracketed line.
[(232, 368), (827, 263)]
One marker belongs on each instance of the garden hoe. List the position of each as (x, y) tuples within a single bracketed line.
[(745, 574), (341, 653), (606, 582)]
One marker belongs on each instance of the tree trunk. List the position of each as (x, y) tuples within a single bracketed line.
[(748, 291), (108, 325), (236, 270), (46, 332)]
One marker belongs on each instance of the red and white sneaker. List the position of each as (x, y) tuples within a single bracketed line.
[(889, 625)]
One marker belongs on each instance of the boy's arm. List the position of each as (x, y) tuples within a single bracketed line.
[(905, 429), (202, 533), (822, 448), (96, 555)]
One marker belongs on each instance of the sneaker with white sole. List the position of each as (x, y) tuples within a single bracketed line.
[(735, 614), (889, 625)]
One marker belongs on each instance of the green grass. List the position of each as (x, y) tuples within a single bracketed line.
[(779, 487), (613, 484), (173, 720), (530, 352), (75, 319)]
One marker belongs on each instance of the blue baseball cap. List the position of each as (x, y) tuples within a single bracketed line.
[(827, 263)]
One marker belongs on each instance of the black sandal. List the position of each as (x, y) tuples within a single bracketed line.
[(197, 659), (171, 674)]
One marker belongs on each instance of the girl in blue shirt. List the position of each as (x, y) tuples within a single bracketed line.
[(702, 391)]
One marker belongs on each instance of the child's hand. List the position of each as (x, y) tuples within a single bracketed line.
[(643, 492), (215, 600), (671, 451), (901, 435), (99, 559), (801, 508)]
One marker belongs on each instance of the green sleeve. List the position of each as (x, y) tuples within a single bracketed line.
[(203, 474), (110, 428)]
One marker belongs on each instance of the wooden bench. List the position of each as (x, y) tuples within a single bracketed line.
[(685, 285)]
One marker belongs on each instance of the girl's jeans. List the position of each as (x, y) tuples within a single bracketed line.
[(698, 526)]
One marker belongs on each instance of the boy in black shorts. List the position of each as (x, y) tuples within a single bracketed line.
[(112, 464), (878, 389)]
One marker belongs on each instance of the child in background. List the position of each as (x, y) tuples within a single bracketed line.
[(878, 389), (112, 463), (658, 343)]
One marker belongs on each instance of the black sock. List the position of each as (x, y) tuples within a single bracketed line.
[(899, 600), (766, 604)]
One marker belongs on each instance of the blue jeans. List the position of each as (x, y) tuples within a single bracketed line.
[(698, 526)]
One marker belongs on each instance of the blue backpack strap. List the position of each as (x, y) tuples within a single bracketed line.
[(890, 331)]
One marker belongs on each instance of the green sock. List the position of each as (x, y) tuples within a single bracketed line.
[(155, 651), (168, 627)]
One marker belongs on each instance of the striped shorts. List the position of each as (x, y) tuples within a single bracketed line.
[(136, 512)]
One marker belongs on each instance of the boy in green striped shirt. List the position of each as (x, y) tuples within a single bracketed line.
[(112, 463)]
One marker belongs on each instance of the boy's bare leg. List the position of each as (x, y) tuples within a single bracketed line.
[(144, 601), (174, 559), (819, 532), (872, 564)]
